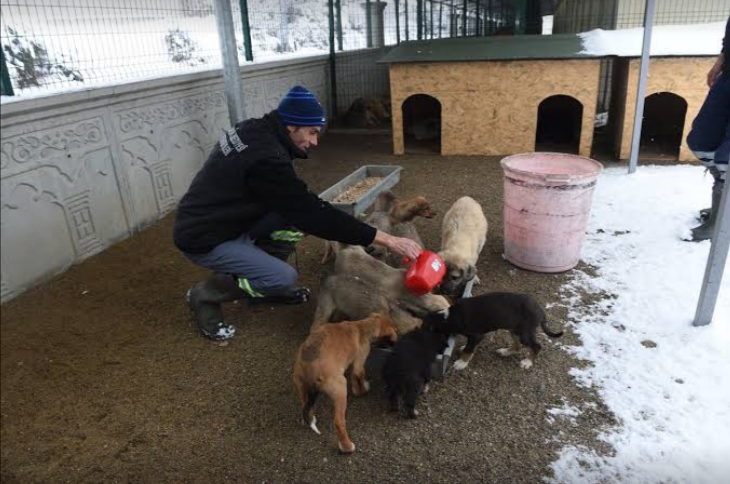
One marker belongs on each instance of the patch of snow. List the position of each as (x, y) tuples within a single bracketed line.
[(666, 381), (693, 39)]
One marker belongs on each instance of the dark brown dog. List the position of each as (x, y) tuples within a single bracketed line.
[(408, 210), (323, 359)]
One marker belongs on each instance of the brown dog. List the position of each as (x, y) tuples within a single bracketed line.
[(323, 359), (407, 210)]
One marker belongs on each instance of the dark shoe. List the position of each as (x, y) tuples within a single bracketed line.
[(295, 295), (706, 229), (205, 299)]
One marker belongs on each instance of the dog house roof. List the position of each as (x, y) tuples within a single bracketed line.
[(694, 40), (534, 47)]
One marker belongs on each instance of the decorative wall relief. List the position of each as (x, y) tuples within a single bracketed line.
[(74, 183), (80, 220), (163, 147)]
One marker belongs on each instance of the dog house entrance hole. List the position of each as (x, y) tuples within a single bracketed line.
[(661, 132), (422, 124), (559, 121)]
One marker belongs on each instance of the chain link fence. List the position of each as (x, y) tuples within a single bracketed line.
[(59, 45)]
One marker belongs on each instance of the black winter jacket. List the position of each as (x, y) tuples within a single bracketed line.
[(249, 174)]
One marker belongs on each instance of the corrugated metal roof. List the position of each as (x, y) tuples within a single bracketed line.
[(561, 46)]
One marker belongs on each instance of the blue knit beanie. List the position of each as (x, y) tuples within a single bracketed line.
[(301, 108)]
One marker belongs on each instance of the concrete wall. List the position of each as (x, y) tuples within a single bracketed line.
[(490, 108), (683, 76), (81, 171)]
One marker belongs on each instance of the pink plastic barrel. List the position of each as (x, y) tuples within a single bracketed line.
[(547, 199)]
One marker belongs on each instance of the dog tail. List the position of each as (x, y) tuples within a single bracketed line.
[(544, 326), (311, 400)]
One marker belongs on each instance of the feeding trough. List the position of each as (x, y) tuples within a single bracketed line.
[(357, 191)]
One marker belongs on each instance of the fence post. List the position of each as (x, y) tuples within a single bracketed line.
[(397, 21), (430, 7), (441, 19), (520, 16), (643, 73), (452, 20), (248, 49), (408, 34), (229, 52), (333, 67), (6, 87), (466, 21), (338, 8), (419, 19), (477, 25), (368, 23)]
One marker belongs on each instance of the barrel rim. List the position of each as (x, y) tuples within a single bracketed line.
[(505, 166)]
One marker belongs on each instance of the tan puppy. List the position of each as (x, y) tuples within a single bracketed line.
[(463, 233), (323, 359)]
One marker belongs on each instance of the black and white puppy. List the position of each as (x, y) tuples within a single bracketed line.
[(473, 317), (407, 370)]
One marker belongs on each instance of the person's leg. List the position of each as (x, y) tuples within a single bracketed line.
[(240, 270), (710, 142)]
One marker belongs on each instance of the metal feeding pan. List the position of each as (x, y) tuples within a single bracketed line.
[(389, 176)]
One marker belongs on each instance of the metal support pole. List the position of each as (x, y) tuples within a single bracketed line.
[(408, 35), (6, 87), (477, 29), (369, 23), (643, 71), (715, 263), (419, 19), (452, 21), (397, 21), (333, 65), (430, 7), (465, 21), (246, 30), (338, 8), (231, 70), (520, 16), (441, 18)]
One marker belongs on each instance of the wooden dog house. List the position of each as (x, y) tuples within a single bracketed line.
[(494, 95), (676, 87)]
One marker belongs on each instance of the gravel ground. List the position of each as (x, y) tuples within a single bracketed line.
[(104, 377)]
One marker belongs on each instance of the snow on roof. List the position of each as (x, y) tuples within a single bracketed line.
[(668, 40)]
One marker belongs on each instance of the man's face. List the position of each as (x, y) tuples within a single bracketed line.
[(304, 136)]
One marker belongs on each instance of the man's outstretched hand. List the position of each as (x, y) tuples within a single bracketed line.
[(399, 245)]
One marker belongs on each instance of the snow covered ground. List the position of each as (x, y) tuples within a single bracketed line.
[(667, 382)]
